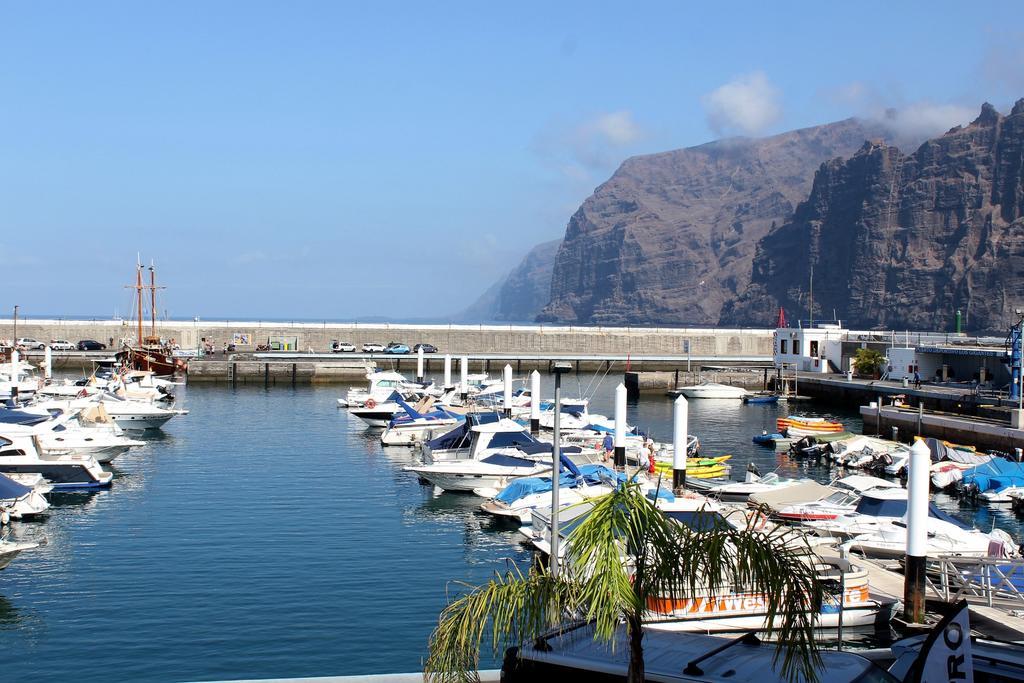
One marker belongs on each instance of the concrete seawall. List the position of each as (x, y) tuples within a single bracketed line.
[(455, 339)]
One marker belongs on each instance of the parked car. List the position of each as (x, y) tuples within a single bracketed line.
[(339, 347), (30, 343), (397, 347), (427, 348), (372, 348), (91, 345), (61, 345)]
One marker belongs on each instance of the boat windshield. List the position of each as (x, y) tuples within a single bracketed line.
[(698, 520), (510, 439), (878, 507), (840, 498)]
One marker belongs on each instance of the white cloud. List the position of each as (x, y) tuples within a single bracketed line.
[(912, 121), (592, 145), (926, 119), (615, 128), (748, 104)]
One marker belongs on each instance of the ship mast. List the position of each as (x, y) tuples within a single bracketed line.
[(138, 294), (152, 298)]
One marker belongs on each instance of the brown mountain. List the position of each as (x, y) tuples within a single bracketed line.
[(902, 241), (670, 237)]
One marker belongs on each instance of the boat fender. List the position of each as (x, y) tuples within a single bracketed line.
[(370, 403)]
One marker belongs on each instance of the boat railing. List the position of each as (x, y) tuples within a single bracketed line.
[(990, 581)]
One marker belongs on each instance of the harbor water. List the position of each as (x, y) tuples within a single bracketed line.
[(266, 534)]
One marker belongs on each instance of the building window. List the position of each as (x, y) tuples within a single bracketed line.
[(796, 347), (814, 347), (783, 346)]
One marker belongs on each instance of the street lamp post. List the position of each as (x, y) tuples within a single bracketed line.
[(556, 450)]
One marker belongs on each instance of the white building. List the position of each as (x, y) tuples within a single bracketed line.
[(809, 349)]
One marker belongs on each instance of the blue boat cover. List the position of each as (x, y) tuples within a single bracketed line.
[(663, 494), (589, 474), (995, 475), (10, 489), (20, 417), (507, 461)]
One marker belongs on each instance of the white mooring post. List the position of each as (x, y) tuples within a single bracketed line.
[(464, 380), (419, 365), (680, 429), (47, 363), (15, 358), (917, 533), (534, 402), (447, 371), (620, 426), (507, 397)]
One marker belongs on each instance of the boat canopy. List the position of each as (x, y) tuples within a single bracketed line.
[(11, 490), (995, 475), (588, 474), (20, 417), (877, 506), (508, 461)]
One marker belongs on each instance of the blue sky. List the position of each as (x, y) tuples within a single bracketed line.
[(341, 160)]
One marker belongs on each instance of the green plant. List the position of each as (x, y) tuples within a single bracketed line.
[(596, 583), (868, 361)]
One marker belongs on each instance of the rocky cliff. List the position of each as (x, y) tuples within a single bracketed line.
[(670, 238), (901, 241), (520, 295)]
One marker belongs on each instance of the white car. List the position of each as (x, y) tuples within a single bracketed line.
[(340, 347), (61, 345), (373, 348), (30, 343)]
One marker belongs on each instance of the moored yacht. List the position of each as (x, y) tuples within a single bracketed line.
[(711, 390), (19, 501), (18, 454)]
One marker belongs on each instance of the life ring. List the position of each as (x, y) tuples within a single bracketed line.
[(370, 403)]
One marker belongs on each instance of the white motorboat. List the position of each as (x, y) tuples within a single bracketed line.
[(10, 549), (66, 434), (494, 471), (19, 454), (743, 610), (846, 493), (381, 386), (135, 415), (740, 491), (376, 414), (482, 434), (711, 390), (888, 541), (415, 427), (519, 499), (575, 416), (876, 508), (18, 501)]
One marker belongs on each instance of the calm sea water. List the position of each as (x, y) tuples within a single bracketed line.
[(267, 535)]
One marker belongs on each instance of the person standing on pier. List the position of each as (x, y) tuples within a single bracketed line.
[(917, 379), (608, 445)]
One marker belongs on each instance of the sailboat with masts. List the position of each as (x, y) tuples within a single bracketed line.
[(149, 353)]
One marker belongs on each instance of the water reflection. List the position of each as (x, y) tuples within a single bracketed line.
[(9, 614)]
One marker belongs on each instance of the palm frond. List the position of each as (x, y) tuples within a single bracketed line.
[(513, 606)]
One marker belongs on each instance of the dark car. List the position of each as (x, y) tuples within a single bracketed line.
[(91, 345), (427, 348)]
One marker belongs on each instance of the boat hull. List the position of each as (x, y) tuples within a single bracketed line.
[(62, 477)]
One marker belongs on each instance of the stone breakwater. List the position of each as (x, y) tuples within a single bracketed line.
[(454, 339)]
